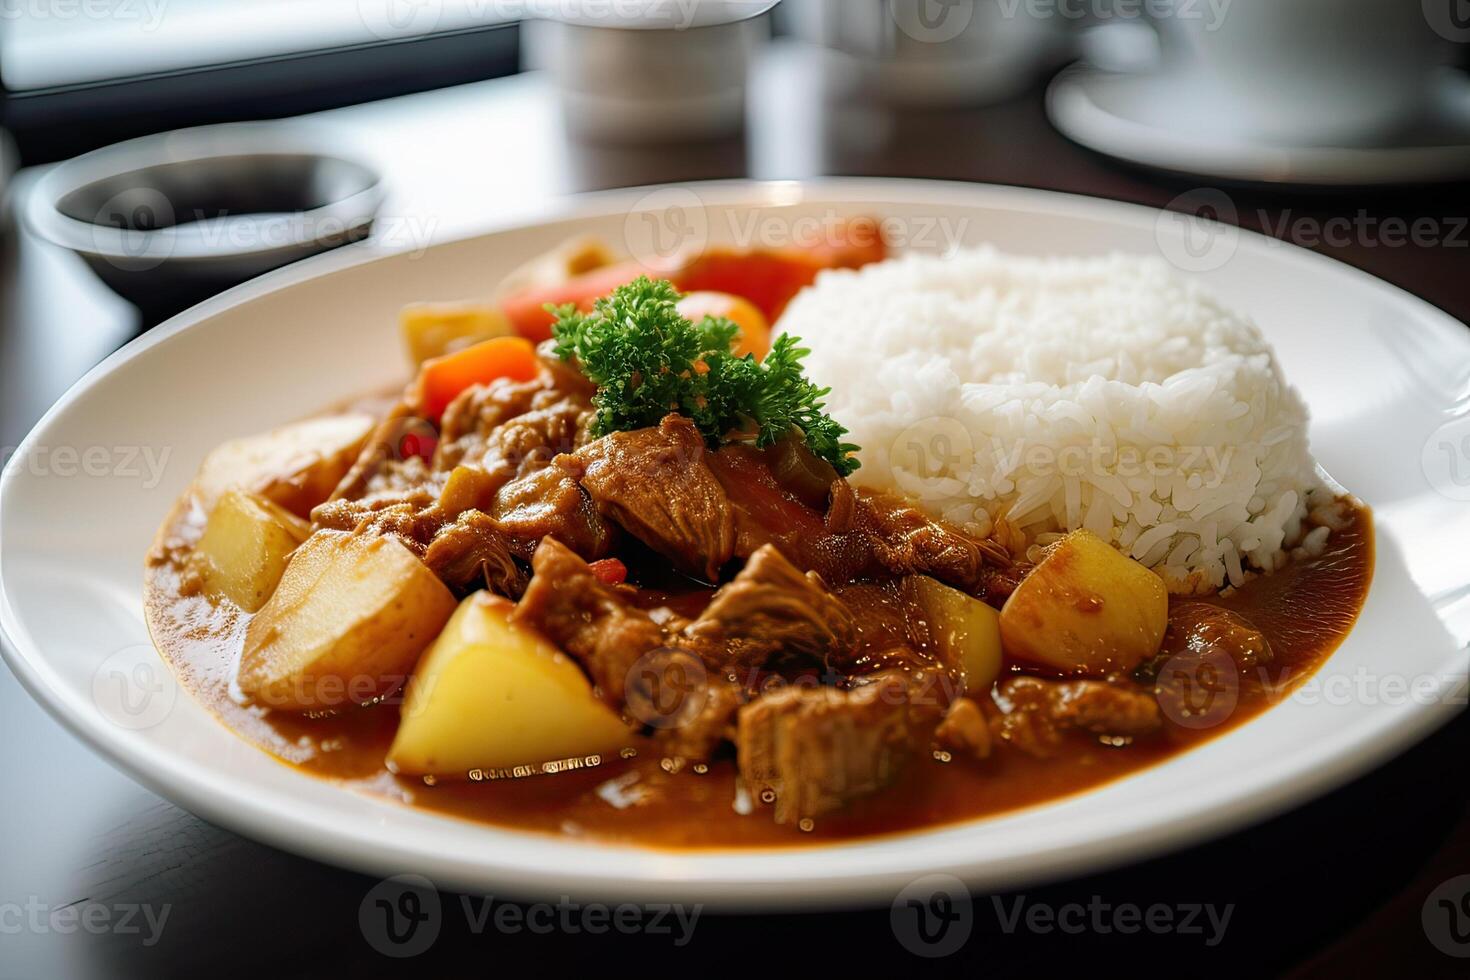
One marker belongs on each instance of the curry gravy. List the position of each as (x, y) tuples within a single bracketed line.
[(1304, 610)]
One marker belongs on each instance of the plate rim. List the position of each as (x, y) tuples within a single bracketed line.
[(212, 798)]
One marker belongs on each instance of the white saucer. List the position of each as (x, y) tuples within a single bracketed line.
[(1155, 119)]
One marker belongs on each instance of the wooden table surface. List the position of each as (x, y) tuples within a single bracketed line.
[(1335, 888)]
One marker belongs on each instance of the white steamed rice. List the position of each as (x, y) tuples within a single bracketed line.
[(1026, 397)]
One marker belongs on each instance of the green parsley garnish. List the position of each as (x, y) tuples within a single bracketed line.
[(648, 360)]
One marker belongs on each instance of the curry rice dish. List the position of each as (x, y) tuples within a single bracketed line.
[(618, 565)]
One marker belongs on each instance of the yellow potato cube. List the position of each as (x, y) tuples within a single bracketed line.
[(494, 697), (345, 626), (245, 548), (963, 629), (296, 466), (1086, 609)]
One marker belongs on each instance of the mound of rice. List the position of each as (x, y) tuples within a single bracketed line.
[(1027, 397)]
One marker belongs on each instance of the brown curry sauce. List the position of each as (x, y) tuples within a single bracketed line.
[(1304, 610)]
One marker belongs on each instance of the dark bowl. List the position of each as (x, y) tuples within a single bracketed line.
[(171, 219)]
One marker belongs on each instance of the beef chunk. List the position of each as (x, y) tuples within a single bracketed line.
[(820, 748), (697, 738), (656, 485), (385, 465), (965, 730), (471, 553), (1199, 629), (1036, 713), (592, 622), (549, 503), (473, 417), (861, 534), (770, 608), (907, 541), (531, 440)]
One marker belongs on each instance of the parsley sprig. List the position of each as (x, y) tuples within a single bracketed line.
[(648, 360)]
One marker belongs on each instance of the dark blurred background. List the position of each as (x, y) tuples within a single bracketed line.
[(421, 119)]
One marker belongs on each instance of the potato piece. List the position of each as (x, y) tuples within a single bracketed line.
[(498, 698), (1086, 609), (964, 630), (572, 258), (296, 466), (432, 330), (245, 548), (345, 626)]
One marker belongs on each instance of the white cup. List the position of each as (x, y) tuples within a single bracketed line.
[(1305, 71)]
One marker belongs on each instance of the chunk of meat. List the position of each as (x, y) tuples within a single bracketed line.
[(528, 442), (964, 730), (1202, 629), (473, 417), (549, 503), (862, 534), (771, 607), (819, 748), (1036, 713), (572, 608), (699, 737), (389, 461), (471, 553), (906, 541), (654, 483)]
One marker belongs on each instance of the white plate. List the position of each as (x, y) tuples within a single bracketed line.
[(1382, 370)]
